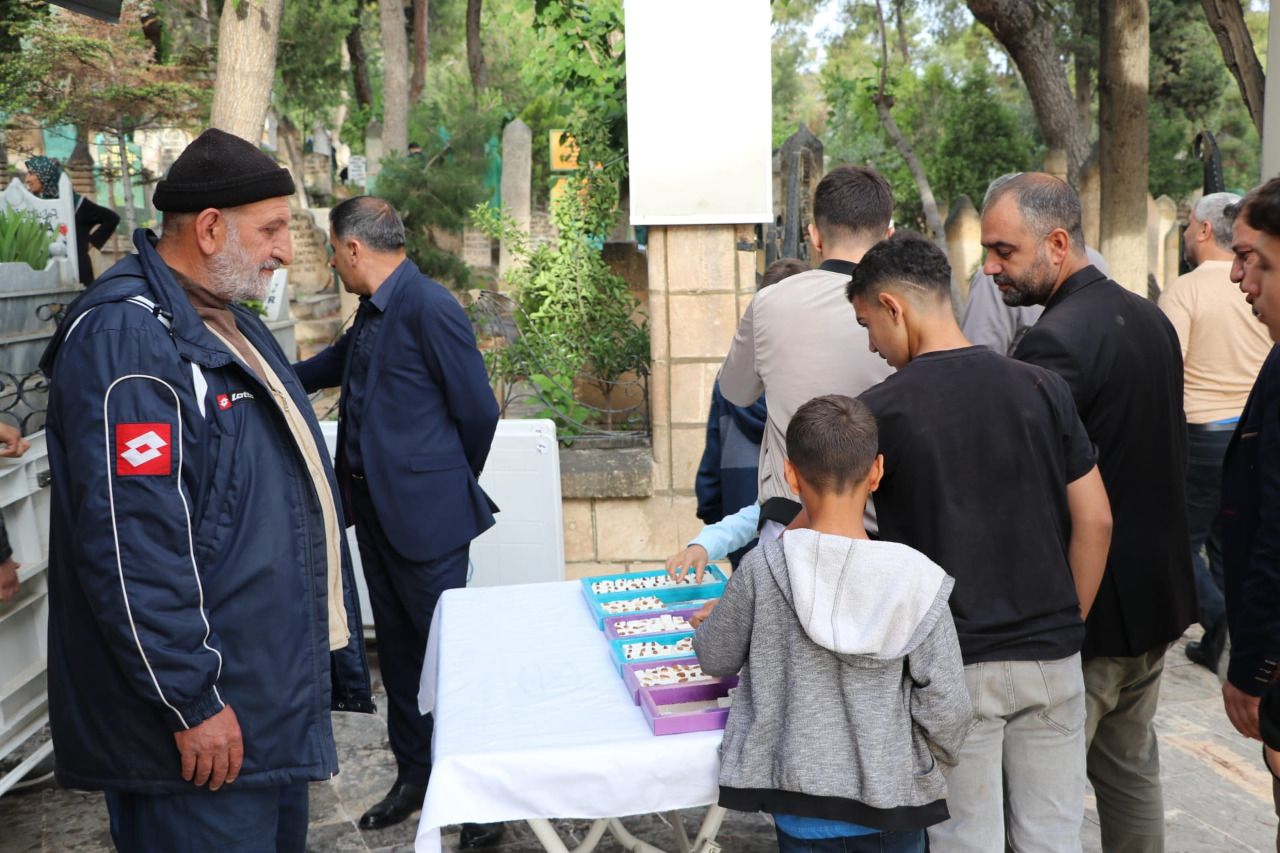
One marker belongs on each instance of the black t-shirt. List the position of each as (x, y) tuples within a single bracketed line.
[(978, 451)]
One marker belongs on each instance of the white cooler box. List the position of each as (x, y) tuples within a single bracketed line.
[(522, 475)]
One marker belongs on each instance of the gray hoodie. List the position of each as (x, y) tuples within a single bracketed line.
[(852, 691)]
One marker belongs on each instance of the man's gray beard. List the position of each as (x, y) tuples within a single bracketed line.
[(232, 275)]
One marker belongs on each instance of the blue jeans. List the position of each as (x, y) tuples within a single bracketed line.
[(229, 820), (1205, 451), (909, 842), (879, 842)]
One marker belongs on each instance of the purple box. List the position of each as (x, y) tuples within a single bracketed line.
[(611, 633), (658, 706), (632, 681)]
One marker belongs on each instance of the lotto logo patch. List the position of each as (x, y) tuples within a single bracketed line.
[(143, 449), (224, 401)]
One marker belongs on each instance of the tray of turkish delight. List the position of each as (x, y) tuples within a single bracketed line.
[(635, 593), (665, 622), (664, 673), (687, 707), (652, 647)]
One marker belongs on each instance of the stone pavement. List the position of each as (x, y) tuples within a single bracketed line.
[(1217, 796)]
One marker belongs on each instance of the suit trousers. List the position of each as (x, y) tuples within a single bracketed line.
[(1121, 695), (229, 820), (403, 595), (1205, 450)]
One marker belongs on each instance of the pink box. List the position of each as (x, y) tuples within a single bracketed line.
[(611, 633), (633, 682), (664, 719)]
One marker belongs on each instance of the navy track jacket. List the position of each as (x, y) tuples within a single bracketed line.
[(187, 563)]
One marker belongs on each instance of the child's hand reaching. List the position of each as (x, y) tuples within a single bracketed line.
[(703, 612), (694, 557)]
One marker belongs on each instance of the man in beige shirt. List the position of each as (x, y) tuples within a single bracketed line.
[(798, 339), (1223, 348)]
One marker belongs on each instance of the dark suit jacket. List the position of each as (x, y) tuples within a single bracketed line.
[(429, 418), (1121, 357), (1251, 534)]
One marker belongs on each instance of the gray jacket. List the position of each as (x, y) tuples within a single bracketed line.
[(852, 691)]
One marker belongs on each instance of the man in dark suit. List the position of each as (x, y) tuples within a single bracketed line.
[(1251, 487), (1121, 357), (416, 420)]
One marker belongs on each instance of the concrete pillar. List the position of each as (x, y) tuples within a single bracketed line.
[(517, 184), (699, 284), (1271, 101)]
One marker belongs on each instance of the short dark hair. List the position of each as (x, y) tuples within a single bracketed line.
[(906, 258), (780, 269), (832, 441), (1262, 210), (1045, 203), (372, 221), (854, 200)]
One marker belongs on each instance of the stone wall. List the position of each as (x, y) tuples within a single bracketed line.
[(615, 517)]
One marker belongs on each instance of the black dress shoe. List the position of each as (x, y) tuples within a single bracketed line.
[(478, 836), (1208, 650), (403, 800)]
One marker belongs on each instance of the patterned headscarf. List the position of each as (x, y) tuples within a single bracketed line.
[(49, 172)]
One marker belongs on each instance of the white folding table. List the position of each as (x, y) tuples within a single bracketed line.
[(533, 722)]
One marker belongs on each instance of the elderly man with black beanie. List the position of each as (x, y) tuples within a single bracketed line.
[(202, 616)]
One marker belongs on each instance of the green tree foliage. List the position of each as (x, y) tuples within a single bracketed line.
[(310, 80), (1191, 91)]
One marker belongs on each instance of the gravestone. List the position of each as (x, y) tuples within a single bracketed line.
[(317, 175), (517, 189), (1091, 203), (309, 274), (477, 248), (964, 245), (1162, 218), (800, 169), (541, 231), (357, 171), (373, 148)]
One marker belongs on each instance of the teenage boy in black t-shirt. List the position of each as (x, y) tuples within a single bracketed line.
[(990, 473)]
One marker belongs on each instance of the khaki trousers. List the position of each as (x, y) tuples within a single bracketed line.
[(1123, 758)]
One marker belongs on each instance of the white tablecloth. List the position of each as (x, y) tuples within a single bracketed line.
[(532, 719)]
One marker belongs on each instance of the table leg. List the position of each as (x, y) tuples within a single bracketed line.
[(677, 828), (550, 840), (705, 842), (629, 841)]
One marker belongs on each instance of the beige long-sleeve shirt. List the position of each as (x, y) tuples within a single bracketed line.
[(797, 340), (1223, 344)]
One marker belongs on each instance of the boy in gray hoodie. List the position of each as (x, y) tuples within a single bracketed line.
[(852, 695)]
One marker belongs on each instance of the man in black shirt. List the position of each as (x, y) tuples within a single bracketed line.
[(988, 471), (1121, 358)]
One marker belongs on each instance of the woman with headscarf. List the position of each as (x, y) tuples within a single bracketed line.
[(94, 223)]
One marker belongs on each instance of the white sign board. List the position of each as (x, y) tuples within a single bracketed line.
[(357, 170), (699, 112)]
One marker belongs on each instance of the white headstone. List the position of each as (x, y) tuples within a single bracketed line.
[(517, 187), (276, 305), (58, 215), (356, 170)]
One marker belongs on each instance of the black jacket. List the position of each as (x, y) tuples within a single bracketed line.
[(187, 568), (1121, 357), (94, 226), (1251, 534)]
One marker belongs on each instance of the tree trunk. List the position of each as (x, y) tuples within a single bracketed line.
[(1122, 128), (1027, 35), (899, 17), (420, 45), (1226, 19), (395, 77), (475, 50), (1085, 61), (937, 232), (126, 181), (247, 37), (292, 145), (359, 64)]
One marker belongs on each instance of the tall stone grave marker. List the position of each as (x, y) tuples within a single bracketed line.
[(517, 178)]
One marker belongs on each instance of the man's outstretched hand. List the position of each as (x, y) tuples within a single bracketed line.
[(213, 751)]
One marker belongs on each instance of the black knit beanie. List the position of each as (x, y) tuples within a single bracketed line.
[(220, 170)]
